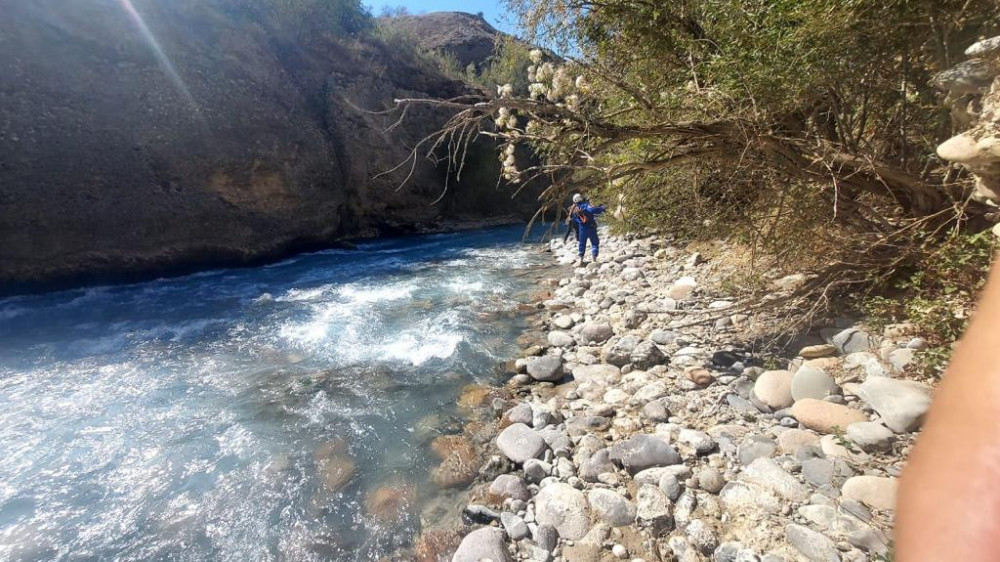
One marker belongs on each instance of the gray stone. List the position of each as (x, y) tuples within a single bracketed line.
[(565, 508), (643, 451), (901, 404), (826, 472), (663, 337), (870, 436), (546, 537), (519, 414), (656, 412), (671, 486), (869, 540), (595, 464), (648, 393), (560, 339), (711, 480), (740, 404), (821, 516), (853, 340), (509, 486), (812, 382), (701, 535), (756, 447), (596, 333), (767, 474), (700, 441), (536, 470), (519, 443), (653, 509), (646, 356), (602, 374), (812, 545), (611, 507), (545, 369), (516, 528), (620, 353), (740, 497), (487, 543), (582, 425)]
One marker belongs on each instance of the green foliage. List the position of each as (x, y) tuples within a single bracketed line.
[(404, 45), (310, 19), (937, 292), (508, 65)]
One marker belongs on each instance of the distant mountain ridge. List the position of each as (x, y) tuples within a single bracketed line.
[(467, 37)]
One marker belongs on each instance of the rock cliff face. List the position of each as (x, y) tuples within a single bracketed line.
[(973, 88), (203, 137)]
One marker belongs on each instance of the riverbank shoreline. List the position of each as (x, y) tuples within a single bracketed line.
[(640, 423), (126, 270)]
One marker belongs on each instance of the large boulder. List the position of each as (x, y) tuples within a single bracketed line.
[(519, 443), (902, 404), (545, 369), (611, 507), (488, 543), (565, 508)]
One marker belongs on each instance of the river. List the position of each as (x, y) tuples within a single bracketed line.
[(211, 417)]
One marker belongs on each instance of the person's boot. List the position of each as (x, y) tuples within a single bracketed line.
[(581, 262)]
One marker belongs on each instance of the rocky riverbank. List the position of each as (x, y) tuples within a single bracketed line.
[(642, 425)]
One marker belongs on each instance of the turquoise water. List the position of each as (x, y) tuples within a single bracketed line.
[(185, 418)]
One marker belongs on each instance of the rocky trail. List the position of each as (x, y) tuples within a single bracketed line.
[(642, 426)]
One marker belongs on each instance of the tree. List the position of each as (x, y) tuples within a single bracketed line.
[(803, 127)]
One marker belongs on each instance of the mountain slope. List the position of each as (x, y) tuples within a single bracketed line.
[(253, 142)]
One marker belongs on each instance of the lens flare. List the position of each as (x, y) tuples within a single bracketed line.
[(161, 56)]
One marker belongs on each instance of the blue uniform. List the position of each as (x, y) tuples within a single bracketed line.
[(584, 217)]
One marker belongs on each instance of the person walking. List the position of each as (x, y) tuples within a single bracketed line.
[(584, 217)]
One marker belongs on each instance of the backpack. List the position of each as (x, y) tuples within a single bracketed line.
[(575, 211)]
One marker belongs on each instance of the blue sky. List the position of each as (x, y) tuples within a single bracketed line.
[(492, 10)]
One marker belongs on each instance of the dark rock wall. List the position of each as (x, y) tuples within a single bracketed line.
[(258, 146)]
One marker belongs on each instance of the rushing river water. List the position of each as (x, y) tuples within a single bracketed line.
[(217, 416)]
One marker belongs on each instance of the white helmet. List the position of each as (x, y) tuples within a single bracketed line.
[(577, 198)]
